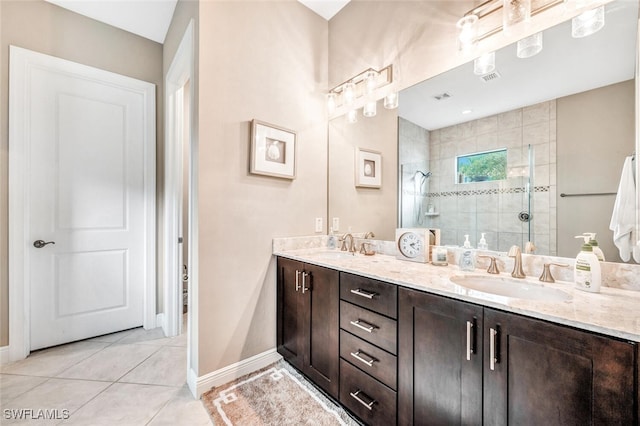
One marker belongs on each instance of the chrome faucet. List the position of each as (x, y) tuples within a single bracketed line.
[(352, 247), (516, 253)]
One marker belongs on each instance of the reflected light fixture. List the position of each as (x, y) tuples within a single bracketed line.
[(484, 64), (529, 46), (514, 12), (370, 81), (391, 100), (467, 32), (331, 102), (352, 116), (588, 22)]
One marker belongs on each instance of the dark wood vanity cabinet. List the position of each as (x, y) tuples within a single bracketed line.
[(463, 364), (307, 321)]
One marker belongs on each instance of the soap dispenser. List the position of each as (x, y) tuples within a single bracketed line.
[(482, 244), (331, 241), (587, 273), (466, 244), (596, 250)]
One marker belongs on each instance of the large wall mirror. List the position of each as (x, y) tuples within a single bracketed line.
[(560, 124)]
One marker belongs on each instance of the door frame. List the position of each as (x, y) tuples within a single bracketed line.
[(22, 61), (181, 71)]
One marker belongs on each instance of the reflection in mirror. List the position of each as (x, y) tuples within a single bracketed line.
[(566, 120)]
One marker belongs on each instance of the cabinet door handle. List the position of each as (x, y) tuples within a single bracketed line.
[(358, 355), (356, 395), (304, 282), (364, 293), (367, 327), (297, 280), (470, 339), (493, 357)]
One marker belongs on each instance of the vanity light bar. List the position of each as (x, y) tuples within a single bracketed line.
[(381, 78), (489, 8)]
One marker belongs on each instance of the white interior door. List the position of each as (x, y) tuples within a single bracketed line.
[(87, 133)]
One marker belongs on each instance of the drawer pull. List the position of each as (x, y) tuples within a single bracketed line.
[(358, 355), (364, 293), (470, 327), (366, 327), (368, 405), (304, 284), (297, 280), (493, 357)]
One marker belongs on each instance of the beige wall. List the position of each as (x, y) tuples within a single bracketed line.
[(364, 209), (267, 61), (596, 131), (49, 29)]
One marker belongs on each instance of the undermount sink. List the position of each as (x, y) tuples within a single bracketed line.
[(510, 287), (337, 254)]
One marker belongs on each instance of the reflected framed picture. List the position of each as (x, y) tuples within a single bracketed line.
[(273, 151), (368, 168)]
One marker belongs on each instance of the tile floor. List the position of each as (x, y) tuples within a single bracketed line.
[(134, 377)]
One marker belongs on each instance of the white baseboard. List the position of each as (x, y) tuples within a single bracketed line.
[(160, 320), (4, 355), (233, 371)]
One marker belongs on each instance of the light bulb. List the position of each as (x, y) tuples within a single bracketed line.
[(588, 22), (369, 109), (331, 102), (529, 46), (352, 116), (514, 12), (370, 81), (484, 64), (349, 93), (391, 100), (467, 32)]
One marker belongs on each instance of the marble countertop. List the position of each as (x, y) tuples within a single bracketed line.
[(613, 312)]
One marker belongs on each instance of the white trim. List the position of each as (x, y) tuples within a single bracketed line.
[(21, 63), (233, 371), (159, 319), (4, 355)]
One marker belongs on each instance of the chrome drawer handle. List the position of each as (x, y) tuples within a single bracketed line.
[(493, 358), (469, 347), (368, 327), (369, 362), (297, 280), (364, 293), (304, 284), (355, 396)]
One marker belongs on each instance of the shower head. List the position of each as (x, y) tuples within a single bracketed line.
[(424, 175)]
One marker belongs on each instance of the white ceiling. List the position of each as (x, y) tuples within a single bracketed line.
[(147, 18), (151, 18), (565, 66)]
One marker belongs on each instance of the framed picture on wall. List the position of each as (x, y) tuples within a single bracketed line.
[(368, 168), (273, 151)]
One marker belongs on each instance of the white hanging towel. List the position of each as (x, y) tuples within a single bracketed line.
[(624, 212)]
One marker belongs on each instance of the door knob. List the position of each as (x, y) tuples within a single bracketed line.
[(41, 243)]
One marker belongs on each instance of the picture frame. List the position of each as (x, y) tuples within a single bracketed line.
[(368, 168), (273, 151)]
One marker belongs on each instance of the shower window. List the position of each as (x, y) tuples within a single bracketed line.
[(482, 166)]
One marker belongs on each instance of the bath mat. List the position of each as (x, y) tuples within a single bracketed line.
[(275, 395)]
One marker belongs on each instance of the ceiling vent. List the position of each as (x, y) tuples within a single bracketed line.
[(490, 76), (442, 97)]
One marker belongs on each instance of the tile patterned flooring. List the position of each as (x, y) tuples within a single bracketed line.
[(134, 377)]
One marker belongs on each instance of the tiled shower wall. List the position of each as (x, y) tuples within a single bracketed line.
[(493, 207), (413, 155)]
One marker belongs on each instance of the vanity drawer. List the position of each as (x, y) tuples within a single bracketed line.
[(369, 399), (374, 295), (372, 327), (369, 358)]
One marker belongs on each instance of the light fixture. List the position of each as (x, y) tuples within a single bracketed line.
[(369, 109), (514, 12), (370, 81), (484, 64), (467, 32), (331, 102), (391, 100), (529, 46), (362, 90), (352, 116), (588, 22), (349, 93)]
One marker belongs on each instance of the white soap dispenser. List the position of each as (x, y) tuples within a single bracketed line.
[(331, 241), (482, 244), (586, 272), (596, 249), (466, 244)]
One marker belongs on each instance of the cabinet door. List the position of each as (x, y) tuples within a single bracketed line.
[(544, 373), (321, 327), (439, 361), (289, 311)]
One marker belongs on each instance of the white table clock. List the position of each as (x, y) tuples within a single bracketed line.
[(413, 244)]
